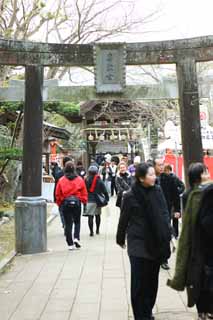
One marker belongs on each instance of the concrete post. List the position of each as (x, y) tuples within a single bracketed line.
[(189, 112), (30, 218)]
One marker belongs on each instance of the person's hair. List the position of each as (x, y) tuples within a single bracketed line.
[(142, 170), (168, 167), (194, 173), (65, 160), (92, 173), (79, 163), (69, 168)]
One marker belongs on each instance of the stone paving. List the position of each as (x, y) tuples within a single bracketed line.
[(88, 284)]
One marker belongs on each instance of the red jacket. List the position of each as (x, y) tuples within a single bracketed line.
[(75, 187)]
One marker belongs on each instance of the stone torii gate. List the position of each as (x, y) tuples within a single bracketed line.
[(31, 208)]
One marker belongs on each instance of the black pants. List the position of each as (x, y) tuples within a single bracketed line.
[(113, 187), (71, 217), (144, 286), (205, 301), (175, 225), (97, 221)]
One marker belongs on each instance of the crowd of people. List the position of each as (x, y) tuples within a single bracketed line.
[(152, 199)]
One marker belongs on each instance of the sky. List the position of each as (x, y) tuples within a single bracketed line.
[(174, 19), (177, 18)]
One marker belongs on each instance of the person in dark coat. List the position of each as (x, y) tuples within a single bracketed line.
[(180, 188), (114, 169), (106, 174), (171, 194), (80, 169), (205, 224), (94, 186), (145, 220), (123, 182), (194, 262)]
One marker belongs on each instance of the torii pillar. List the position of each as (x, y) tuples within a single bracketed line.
[(30, 212), (189, 112)]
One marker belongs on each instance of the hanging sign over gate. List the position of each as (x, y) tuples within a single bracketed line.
[(110, 67)]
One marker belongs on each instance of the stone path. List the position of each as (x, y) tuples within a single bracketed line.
[(88, 284)]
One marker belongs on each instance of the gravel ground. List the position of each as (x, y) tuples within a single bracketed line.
[(7, 238), (7, 235)]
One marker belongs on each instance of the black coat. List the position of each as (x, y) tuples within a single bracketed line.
[(57, 173), (123, 183), (99, 189), (104, 171), (201, 255), (81, 171), (145, 219), (205, 217), (170, 190)]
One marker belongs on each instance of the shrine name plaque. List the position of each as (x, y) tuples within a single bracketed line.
[(110, 67)]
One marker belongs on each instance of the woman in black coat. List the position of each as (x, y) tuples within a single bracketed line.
[(205, 233), (123, 182), (145, 220), (94, 186)]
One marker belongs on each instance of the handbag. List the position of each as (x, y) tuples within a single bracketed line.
[(100, 200)]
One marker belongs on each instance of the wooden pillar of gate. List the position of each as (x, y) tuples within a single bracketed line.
[(30, 211), (189, 112), (33, 129)]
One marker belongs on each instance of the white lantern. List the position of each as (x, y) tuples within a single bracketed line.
[(101, 137), (123, 137), (134, 137), (90, 138)]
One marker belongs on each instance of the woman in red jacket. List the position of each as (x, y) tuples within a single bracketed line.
[(70, 193)]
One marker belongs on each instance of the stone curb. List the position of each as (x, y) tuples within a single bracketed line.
[(51, 218), (8, 259)]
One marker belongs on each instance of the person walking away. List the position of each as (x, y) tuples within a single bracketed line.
[(95, 186), (132, 167), (80, 169), (114, 169), (194, 262), (93, 162), (106, 174), (171, 194), (180, 187), (123, 182), (145, 219), (70, 193), (57, 173)]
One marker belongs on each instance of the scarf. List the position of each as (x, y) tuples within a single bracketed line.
[(94, 182)]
